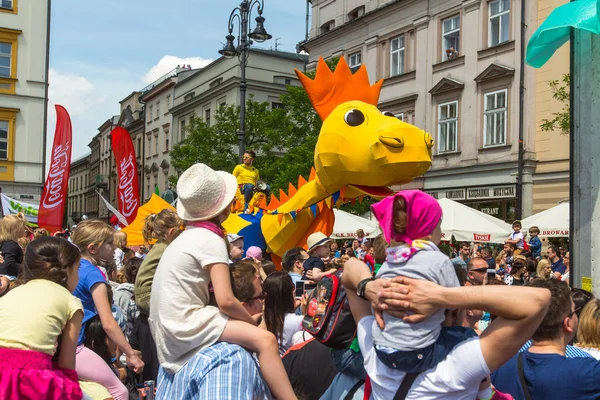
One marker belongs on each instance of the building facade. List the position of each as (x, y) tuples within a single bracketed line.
[(155, 144), (268, 73), (551, 178), (24, 49), (79, 181), (452, 68)]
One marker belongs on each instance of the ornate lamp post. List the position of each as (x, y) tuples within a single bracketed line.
[(241, 50)]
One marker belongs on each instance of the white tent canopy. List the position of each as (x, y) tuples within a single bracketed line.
[(347, 224), (469, 225), (553, 222)]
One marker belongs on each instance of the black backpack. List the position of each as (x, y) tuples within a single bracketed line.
[(328, 317)]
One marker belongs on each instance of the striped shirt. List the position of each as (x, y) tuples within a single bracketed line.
[(570, 351), (220, 371)]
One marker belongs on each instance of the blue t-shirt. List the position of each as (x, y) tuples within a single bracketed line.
[(536, 246), (559, 266), (89, 275), (550, 376)]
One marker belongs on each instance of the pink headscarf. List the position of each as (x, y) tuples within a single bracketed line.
[(423, 213)]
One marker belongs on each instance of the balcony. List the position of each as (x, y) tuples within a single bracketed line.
[(102, 181)]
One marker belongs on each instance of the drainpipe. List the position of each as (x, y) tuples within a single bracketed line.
[(519, 209), (45, 124)]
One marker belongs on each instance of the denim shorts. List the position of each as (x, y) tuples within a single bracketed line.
[(420, 360)]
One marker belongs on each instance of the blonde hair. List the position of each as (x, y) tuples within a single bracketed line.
[(23, 242), (345, 258), (540, 269), (588, 333), (40, 232), (157, 226), (12, 227), (120, 238), (92, 231)]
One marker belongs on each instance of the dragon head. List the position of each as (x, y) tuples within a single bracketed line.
[(358, 144)]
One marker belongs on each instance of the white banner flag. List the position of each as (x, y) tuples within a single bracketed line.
[(12, 206), (113, 210)]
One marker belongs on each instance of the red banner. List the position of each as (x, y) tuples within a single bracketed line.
[(128, 188), (54, 196)]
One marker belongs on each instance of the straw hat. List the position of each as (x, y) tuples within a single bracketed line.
[(317, 239), (204, 193)]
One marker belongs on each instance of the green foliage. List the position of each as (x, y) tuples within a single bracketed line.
[(562, 119), (284, 139)]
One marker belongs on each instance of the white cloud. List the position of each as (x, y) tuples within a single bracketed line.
[(73, 92), (168, 63)]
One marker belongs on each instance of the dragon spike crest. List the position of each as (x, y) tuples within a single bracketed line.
[(330, 89)]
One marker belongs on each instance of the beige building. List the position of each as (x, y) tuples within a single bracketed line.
[(451, 67), (551, 178), (155, 144), (267, 74), (92, 201), (79, 176), (24, 49)]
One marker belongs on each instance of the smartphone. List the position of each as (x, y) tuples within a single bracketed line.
[(309, 286), (299, 289)]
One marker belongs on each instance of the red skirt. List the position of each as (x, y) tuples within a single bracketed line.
[(26, 374)]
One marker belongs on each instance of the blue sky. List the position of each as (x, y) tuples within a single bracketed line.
[(101, 51)]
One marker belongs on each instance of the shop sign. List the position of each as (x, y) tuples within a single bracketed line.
[(477, 193), (554, 232), (482, 238)]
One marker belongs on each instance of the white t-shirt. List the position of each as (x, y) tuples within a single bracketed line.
[(456, 377), (118, 257), (181, 321), (292, 323), (515, 236), (592, 350)]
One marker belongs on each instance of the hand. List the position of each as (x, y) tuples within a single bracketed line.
[(135, 363), (420, 297), (1, 258), (257, 318), (309, 274), (303, 303)]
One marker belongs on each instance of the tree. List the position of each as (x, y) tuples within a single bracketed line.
[(562, 119)]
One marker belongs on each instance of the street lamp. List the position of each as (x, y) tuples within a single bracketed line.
[(241, 50)]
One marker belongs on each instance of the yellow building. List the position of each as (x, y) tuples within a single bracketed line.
[(551, 178)]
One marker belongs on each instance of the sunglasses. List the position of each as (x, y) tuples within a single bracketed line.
[(482, 270), (260, 297), (246, 157)]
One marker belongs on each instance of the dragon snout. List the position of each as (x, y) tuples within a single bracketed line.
[(429, 140), (396, 142)]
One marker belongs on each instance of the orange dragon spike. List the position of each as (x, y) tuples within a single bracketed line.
[(282, 196), (313, 174), (301, 181), (274, 203), (291, 190), (263, 203), (330, 89)]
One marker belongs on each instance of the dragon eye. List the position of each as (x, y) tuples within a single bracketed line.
[(354, 117), (388, 114)]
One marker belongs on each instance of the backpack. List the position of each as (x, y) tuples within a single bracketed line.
[(328, 317)]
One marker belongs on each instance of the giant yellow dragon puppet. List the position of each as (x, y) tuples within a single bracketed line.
[(360, 151)]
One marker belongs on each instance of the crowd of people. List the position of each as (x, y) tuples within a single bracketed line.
[(82, 315)]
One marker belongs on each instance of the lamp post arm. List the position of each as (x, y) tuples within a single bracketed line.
[(260, 4)]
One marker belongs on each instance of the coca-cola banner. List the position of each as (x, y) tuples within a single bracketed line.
[(54, 196), (128, 188)]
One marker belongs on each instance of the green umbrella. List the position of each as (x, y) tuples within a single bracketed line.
[(555, 30)]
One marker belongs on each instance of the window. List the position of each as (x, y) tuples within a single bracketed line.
[(6, 4), (499, 15), (355, 60), (223, 104), (327, 26), (168, 102), (167, 143), (150, 113), (216, 82), (494, 127), (357, 12), (156, 145), (447, 127), (149, 146), (139, 147), (276, 105), (450, 37), (157, 109), (287, 81), (5, 58), (182, 133), (207, 116), (400, 116), (4, 140), (397, 56)]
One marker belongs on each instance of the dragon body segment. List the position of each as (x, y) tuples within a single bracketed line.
[(360, 151)]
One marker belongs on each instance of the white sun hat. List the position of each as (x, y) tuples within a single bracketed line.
[(204, 193)]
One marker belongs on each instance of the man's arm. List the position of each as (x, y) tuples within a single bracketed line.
[(503, 338)]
